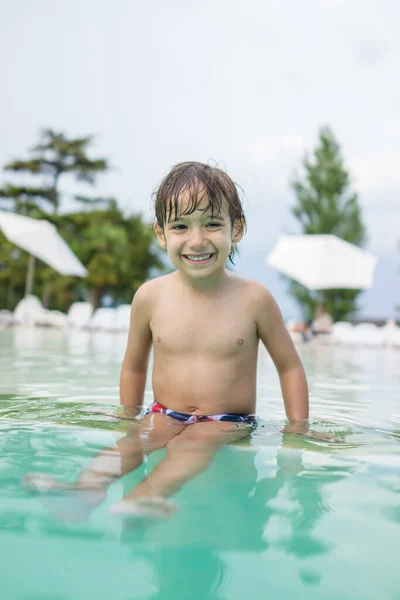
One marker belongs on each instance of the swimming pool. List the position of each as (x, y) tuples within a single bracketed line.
[(270, 518)]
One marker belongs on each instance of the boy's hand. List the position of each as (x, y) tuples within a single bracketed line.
[(302, 428), (299, 427)]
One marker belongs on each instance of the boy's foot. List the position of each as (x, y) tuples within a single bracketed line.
[(62, 500), (155, 507), (42, 483)]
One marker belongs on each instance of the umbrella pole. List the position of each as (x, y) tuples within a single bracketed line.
[(319, 304), (29, 275)]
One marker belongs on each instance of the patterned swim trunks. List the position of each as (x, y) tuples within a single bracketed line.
[(156, 407)]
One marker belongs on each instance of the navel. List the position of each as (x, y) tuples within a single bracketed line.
[(158, 339), (240, 341)]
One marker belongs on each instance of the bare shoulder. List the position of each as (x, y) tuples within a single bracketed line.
[(256, 294), (149, 291), (262, 307)]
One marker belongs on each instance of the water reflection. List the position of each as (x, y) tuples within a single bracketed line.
[(388, 478), (204, 575), (259, 513), (245, 502), (266, 500)]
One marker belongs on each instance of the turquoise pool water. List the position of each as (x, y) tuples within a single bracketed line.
[(272, 518)]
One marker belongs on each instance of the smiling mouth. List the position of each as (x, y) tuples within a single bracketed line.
[(198, 258)]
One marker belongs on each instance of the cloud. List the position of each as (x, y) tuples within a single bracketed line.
[(377, 172), (273, 148), (369, 51)]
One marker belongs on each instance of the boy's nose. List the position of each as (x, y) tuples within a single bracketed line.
[(197, 240)]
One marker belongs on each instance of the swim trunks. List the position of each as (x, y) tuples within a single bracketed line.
[(156, 407)]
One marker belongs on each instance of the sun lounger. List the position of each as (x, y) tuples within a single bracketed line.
[(79, 314)]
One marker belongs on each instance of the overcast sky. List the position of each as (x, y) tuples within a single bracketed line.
[(245, 83)]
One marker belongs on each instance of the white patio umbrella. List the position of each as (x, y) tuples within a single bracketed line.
[(323, 262), (41, 239)]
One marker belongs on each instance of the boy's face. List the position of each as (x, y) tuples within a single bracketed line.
[(199, 244)]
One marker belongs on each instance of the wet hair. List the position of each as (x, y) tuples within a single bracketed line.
[(200, 182)]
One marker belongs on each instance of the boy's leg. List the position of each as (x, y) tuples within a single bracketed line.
[(151, 433), (188, 454)]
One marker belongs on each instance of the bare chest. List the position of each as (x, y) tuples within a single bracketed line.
[(216, 332)]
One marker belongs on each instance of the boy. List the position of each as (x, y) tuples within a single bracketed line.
[(204, 323)]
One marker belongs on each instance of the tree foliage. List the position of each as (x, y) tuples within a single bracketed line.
[(55, 155), (326, 205), (117, 250)]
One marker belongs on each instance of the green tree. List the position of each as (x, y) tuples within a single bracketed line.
[(326, 205), (13, 269), (118, 251), (54, 156)]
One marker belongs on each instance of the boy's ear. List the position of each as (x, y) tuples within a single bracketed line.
[(159, 233), (237, 231)]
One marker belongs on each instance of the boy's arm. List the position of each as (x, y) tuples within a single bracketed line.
[(136, 359), (276, 339)]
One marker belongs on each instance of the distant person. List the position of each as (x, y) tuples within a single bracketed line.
[(204, 323), (322, 322), (300, 328)]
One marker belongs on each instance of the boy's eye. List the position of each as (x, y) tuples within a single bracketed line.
[(179, 227), (213, 224)]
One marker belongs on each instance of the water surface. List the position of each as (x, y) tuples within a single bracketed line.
[(273, 516)]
